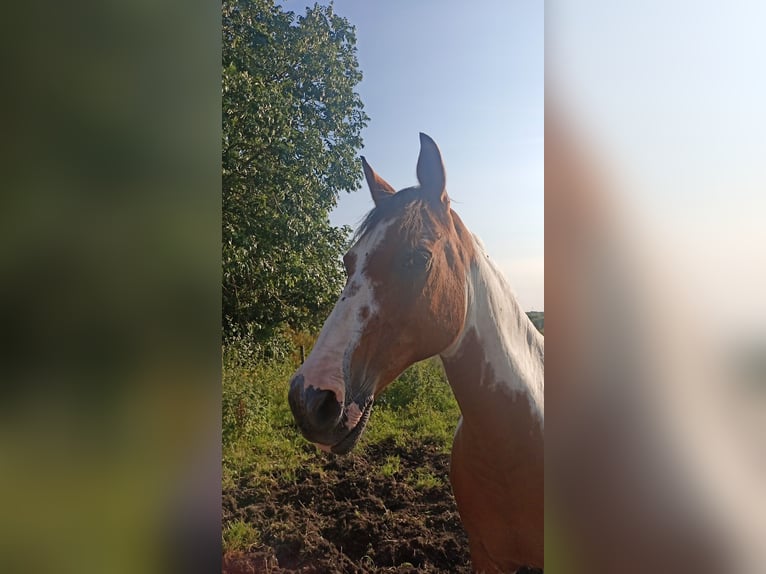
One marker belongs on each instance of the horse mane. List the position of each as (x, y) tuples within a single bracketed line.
[(408, 206)]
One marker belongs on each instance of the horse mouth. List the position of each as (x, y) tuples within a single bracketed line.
[(348, 442)]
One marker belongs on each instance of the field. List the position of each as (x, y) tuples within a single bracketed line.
[(386, 507)]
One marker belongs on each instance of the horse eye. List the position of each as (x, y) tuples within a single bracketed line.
[(418, 259)]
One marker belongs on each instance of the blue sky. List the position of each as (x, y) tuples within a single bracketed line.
[(470, 75)]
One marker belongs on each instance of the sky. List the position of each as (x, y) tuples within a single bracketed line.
[(471, 76)]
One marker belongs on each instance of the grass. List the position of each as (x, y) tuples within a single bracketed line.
[(239, 535), (259, 436), (391, 466), (417, 407), (424, 479), (261, 440)]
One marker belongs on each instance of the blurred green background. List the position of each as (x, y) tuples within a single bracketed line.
[(110, 289)]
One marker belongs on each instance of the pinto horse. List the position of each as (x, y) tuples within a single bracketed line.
[(420, 284)]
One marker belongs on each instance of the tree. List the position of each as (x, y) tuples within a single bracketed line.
[(291, 132)]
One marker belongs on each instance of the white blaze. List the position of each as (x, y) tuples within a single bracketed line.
[(327, 365)]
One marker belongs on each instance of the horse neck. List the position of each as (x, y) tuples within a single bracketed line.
[(499, 354)]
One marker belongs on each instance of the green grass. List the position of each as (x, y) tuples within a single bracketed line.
[(259, 436), (391, 467), (239, 535), (416, 407), (424, 479), (260, 439)]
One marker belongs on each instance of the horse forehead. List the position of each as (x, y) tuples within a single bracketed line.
[(398, 225), (371, 242)]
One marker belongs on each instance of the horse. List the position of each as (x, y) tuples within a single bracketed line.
[(420, 284)]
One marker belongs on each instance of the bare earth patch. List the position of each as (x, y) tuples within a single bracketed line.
[(347, 515)]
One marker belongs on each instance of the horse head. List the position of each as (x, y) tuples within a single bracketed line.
[(404, 300)]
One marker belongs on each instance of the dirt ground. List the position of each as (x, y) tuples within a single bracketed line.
[(348, 517)]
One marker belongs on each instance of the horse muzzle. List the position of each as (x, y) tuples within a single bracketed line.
[(324, 419)]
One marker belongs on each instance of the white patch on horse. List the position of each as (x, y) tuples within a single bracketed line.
[(511, 343), (327, 366)]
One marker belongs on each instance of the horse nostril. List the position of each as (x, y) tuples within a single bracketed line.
[(322, 408), (315, 410)]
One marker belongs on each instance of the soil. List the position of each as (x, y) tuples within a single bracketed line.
[(347, 517)]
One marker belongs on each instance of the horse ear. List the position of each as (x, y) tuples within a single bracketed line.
[(431, 176), (379, 187)]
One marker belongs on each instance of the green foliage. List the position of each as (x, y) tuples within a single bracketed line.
[(417, 406), (291, 131), (538, 319), (275, 344)]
